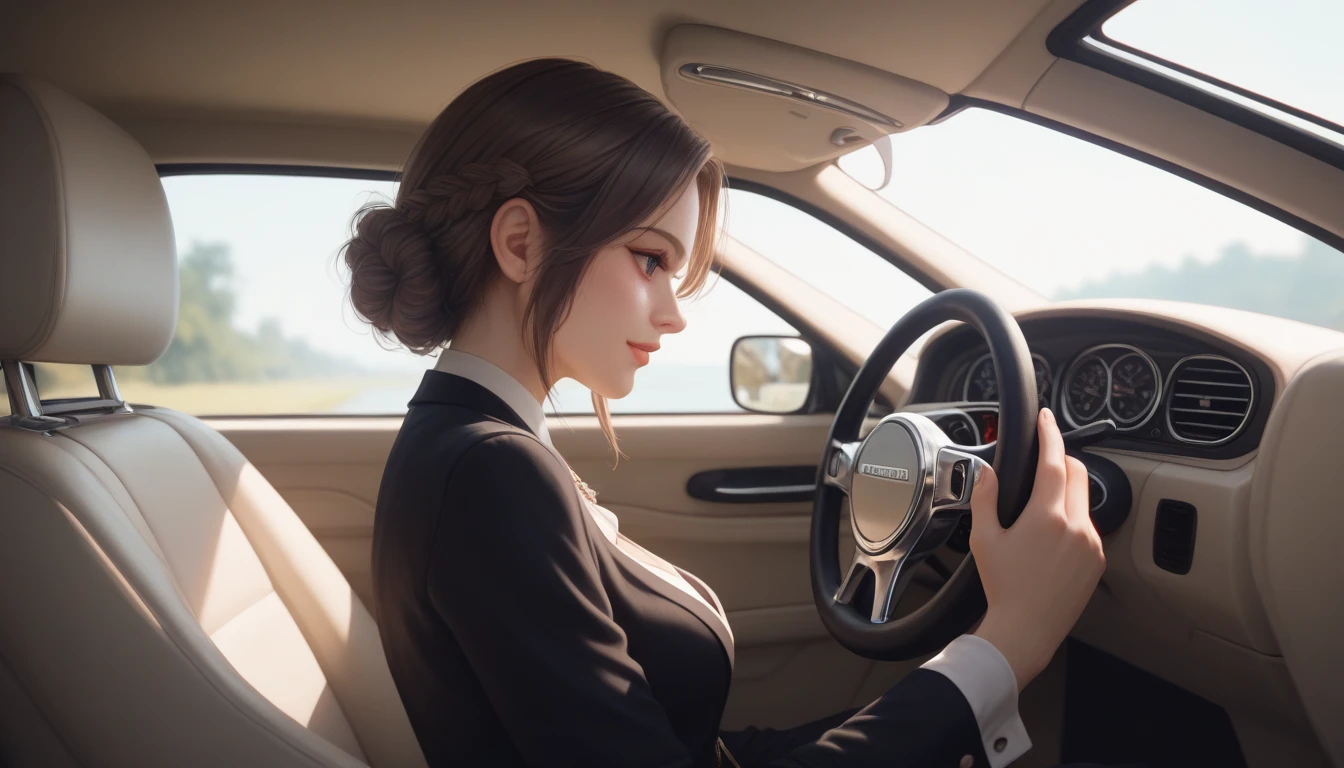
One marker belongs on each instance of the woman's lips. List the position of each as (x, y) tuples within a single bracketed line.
[(641, 352)]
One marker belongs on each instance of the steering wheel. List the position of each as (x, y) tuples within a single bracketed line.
[(908, 486)]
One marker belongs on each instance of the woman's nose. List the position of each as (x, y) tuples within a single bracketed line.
[(667, 317)]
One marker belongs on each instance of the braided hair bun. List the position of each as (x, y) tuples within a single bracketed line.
[(397, 279)]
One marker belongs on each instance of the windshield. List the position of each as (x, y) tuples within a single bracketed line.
[(1071, 220)]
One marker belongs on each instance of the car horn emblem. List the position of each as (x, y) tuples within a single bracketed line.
[(886, 473)]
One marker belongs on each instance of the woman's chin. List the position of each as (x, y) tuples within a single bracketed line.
[(615, 388)]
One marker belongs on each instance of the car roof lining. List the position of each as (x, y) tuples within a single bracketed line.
[(365, 80)]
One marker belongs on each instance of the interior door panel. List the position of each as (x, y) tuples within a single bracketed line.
[(754, 555)]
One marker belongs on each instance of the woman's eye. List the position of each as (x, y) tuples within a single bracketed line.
[(652, 261)]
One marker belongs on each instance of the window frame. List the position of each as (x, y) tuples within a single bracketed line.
[(276, 169), (1069, 41)]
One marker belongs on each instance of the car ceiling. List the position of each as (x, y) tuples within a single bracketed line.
[(394, 65)]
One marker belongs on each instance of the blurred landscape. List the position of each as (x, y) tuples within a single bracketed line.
[(214, 368), (1307, 286)]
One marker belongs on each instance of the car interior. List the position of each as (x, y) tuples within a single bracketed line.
[(191, 585)]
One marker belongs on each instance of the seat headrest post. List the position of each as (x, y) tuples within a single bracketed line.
[(25, 405), (24, 401), (107, 386), (29, 412)]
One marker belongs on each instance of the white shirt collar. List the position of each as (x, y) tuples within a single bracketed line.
[(500, 383), (516, 396)]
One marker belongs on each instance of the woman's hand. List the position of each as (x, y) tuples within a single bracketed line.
[(1038, 574)]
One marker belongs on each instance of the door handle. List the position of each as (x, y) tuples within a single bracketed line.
[(766, 491), (754, 485)]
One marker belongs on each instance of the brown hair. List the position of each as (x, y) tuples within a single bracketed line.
[(591, 151)]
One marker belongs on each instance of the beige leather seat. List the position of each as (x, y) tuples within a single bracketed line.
[(160, 604)]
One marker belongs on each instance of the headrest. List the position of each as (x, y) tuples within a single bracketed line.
[(88, 268)]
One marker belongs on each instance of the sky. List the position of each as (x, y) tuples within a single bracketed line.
[(1285, 49), (1049, 210)]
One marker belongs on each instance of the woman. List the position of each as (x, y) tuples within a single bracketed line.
[(538, 228)]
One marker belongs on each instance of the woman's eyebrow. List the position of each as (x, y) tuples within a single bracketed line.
[(676, 243)]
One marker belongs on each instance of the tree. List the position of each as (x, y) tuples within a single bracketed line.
[(207, 346)]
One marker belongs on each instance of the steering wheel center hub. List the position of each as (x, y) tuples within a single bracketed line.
[(890, 474)]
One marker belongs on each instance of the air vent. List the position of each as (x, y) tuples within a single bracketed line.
[(1210, 400), (1174, 536)]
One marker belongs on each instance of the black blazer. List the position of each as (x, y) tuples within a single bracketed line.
[(517, 635)]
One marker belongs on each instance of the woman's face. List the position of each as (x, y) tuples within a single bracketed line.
[(626, 301)]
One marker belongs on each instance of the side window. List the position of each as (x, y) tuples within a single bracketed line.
[(263, 325), (690, 373), (265, 328), (824, 257)]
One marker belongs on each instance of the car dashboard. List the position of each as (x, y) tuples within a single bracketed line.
[(1214, 495), (1169, 391)]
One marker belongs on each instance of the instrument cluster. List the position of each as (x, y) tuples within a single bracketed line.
[(1170, 390), (1108, 381), (982, 384)]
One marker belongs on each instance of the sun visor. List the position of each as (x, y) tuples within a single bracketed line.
[(777, 107)]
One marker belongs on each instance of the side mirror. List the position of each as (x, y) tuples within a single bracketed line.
[(771, 374)]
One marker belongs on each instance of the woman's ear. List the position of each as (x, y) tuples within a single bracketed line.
[(515, 238)]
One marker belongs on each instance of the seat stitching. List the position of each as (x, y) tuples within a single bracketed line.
[(68, 434), (135, 509)]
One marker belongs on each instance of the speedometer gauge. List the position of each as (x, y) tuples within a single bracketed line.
[(982, 380), (1086, 388), (1042, 380), (1134, 387)]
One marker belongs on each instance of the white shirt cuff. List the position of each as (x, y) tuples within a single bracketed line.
[(983, 676)]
